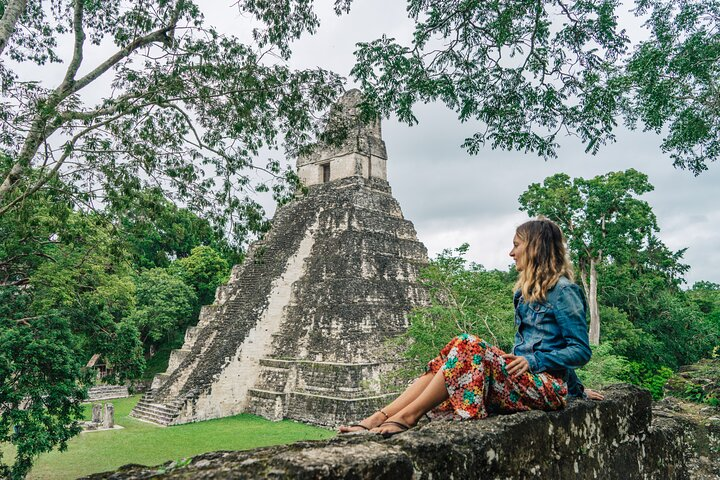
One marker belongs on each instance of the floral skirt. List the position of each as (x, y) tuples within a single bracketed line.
[(478, 383)]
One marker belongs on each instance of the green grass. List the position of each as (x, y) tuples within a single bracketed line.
[(147, 444)]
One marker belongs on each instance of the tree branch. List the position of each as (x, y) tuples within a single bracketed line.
[(13, 10), (24, 321), (68, 149), (16, 283), (78, 47), (40, 130), (160, 35)]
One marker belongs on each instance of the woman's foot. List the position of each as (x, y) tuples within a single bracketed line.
[(391, 427), (398, 423), (367, 424)]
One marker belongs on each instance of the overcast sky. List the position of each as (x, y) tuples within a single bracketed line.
[(453, 197)]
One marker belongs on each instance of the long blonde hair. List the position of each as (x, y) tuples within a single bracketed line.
[(545, 259)]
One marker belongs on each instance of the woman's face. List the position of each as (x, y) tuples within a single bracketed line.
[(518, 252)]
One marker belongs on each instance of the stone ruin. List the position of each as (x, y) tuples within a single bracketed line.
[(107, 392), (298, 330), (625, 437), (103, 417)]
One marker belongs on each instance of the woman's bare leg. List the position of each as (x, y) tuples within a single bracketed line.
[(433, 395), (411, 393)]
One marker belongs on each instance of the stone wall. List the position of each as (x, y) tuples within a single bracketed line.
[(617, 439), (107, 392), (358, 149)]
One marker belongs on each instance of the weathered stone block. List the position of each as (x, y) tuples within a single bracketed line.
[(108, 415), (617, 439)]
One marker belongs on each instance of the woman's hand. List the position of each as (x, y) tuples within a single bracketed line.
[(516, 365), (594, 395)]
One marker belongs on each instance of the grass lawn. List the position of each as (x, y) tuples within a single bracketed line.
[(148, 444)]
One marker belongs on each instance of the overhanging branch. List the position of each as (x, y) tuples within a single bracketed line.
[(13, 10)]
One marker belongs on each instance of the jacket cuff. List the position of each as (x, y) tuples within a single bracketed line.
[(535, 363)]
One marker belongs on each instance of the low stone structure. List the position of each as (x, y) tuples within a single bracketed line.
[(103, 418), (620, 438), (298, 330), (107, 392)]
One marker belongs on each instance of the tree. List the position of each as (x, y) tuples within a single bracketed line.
[(164, 304), (182, 116), (603, 220), (527, 71), (673, 77), (707, 297), (64, 289), (464, 298), (204, 270), (188, 111), (39, 390), (156, 231)]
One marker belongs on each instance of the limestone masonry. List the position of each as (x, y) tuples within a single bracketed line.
[(297, 331), (621, 438)]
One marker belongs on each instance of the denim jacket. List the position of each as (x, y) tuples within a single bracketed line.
[(552, 335)]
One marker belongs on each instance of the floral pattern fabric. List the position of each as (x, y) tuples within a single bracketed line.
[(478, 383)]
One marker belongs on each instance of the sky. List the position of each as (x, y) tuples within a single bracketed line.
[(453, 197)]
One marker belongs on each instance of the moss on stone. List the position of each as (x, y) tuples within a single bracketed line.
[(699, 382)]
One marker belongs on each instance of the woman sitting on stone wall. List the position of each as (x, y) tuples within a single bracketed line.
[(471, 378)]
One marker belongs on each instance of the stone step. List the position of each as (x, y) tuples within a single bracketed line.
[(271, 378), (146, 411), (159, 380), (222, 293), (265, 403), (107, 388), (258, 392), (276, 362), (150, 417), (176, 358), (191, 335), (157, 407), (107, 392), (155, 412), (207, 313), (103, 387), (347, 394), (235, 272)]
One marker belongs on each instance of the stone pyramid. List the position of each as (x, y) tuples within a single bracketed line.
[(298, 330)]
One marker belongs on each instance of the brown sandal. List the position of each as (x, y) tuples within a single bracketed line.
[(364, 427), (402, 426)]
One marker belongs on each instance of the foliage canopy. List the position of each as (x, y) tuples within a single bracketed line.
[(527, 72)]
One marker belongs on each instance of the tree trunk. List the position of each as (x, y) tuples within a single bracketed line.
[(584, 278), (39, 132), (13, 10), (593, 305)]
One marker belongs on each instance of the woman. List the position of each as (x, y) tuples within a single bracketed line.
[(471, 378)]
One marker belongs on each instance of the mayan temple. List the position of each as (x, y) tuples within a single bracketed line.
[(298, 329)]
